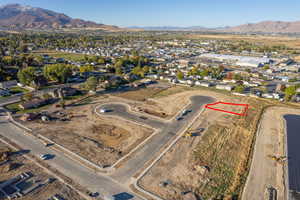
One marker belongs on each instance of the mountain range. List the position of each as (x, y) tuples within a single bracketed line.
[(268, 27), (261, 27), (27, 17), (16, 16)]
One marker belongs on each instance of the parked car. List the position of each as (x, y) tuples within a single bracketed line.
[(103, 110), (46, 156), (185, 112), (179, 118)]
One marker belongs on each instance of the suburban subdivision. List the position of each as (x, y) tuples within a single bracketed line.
[(90, 111)]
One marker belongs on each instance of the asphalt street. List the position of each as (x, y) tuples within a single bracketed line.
[(80, 174), (117, 182), (168, 131), (17, 97)]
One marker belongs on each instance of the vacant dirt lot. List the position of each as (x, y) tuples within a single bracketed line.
[(172, 100), (17, 164), (141, 94), (102, 140), (267, 40), (212, 164)]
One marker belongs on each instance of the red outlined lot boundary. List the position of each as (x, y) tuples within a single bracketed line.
[(243, 113)]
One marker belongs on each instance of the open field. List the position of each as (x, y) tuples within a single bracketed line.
[(141, 94), (267, 40), (58, 54), (169, 101), (17, 164), (102, 140), (212, 164)]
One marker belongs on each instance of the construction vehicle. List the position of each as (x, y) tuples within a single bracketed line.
[(188, 134), (191, 133), (278, 159), (270, 193)]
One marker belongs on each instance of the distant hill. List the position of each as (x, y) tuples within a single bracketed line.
[(261, 27), (27, 17), (171, 28), (267, 27)]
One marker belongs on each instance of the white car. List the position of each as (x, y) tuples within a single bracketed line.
[(43, 156), (46, 156), (103, 110)]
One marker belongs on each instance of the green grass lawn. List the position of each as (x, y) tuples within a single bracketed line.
[(17, 89), (67, 56), (15, 108)]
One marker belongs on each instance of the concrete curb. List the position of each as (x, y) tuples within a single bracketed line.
[(136, 185), (46, 169), (112, 167), (58, 145), (285, 167), (254, 152)]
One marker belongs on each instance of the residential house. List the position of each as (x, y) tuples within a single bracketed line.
[(225, 87), (8, 84), (4, 93), (35, 103)]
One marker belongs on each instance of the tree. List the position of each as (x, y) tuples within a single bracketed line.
[(47, 96), (26, 75), (118, 71), (146, 69), (27, 97), (194, 71), (180, 75), (101, 61), (8, 60), (237, 77), (138, 71), (86, 68), (239, 89), (91, 83), (289, 92), (40, 60), (119, 63), (205, 72), (58, 72), (266, 67)]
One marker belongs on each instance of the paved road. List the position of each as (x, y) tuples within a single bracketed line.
[(80, 174), (114, 184), (17, 97), (168, 131)]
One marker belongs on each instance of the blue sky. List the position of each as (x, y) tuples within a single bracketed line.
[(209, 13)]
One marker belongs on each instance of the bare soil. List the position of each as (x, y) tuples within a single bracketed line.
[(213, 164), (173, 99), (141, 94), (102, 140)]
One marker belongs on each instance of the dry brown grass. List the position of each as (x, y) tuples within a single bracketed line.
[(226, 150), (140, 94), (267, 40)]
